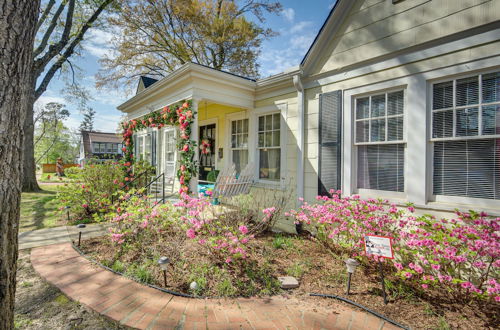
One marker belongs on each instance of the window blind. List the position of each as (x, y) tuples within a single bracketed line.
[(381, 167), (466, 129), (469, 168), (379, 132)]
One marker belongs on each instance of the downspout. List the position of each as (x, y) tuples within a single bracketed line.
[(300, 137)]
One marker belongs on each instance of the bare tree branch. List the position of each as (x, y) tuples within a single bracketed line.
[(50, 29), (44, 15)]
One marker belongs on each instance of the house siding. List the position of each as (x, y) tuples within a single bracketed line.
[(376, 29), (414, 70)]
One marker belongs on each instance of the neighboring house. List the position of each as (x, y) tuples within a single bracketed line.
[(99, 147), (394, 99)]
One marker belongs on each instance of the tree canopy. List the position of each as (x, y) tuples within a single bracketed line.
[(158, 36)]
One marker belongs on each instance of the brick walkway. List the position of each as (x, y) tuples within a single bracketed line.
[(142, 307)]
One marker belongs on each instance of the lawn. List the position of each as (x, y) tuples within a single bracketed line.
[(39, 209)]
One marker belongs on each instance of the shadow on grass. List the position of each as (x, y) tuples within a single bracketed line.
[(38, 210)]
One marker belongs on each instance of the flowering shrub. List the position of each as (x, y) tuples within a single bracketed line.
[(224, 242), (179, 114), (462, 254), (342, 222), (91, 196)]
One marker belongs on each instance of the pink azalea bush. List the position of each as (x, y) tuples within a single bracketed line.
[(461, 254), (225, 242)]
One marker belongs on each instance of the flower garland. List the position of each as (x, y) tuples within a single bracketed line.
[(179, 114)]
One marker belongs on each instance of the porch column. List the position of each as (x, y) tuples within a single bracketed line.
[(193, 184)]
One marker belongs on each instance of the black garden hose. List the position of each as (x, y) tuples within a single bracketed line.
[(360, 306)]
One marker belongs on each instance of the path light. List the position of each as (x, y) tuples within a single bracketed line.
[(351, 268), (163, 262), (80, 226), (67, 212)]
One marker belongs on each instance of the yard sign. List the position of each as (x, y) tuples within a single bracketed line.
[(379, 245)]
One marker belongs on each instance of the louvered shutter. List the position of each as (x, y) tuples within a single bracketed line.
[(153, 148), (330, 128)]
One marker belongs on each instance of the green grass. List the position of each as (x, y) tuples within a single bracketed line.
[(39, 209)]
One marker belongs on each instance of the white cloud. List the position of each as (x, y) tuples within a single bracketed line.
[(98, 42), (301, 26), (289, 14), (302, 42)]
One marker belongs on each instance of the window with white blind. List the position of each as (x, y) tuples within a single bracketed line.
[(269, 147), (379, 136), (239, 144), (466, 136)]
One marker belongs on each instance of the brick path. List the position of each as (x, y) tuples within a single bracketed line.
[(138, 306)]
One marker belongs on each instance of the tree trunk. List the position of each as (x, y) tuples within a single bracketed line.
[(17, 32), (29, 182)]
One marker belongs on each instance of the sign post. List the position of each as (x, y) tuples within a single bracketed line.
[(380, 246)]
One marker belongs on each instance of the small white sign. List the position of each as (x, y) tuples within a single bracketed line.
[(379, 245)]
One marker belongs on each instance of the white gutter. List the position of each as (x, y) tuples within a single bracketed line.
[(300, 137)]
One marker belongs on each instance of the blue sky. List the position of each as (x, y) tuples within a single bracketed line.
[(297, 25)]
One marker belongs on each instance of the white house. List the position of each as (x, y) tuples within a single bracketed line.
[(394, 99)]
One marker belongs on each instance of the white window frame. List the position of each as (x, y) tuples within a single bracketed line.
[(375, 193), (464, 202), (166, 130), (281, 108), (228, 146), (478, 105)]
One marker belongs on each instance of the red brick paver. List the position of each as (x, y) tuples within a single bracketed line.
[(142, 307)]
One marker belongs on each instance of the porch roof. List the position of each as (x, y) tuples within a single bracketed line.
[(193, 81)]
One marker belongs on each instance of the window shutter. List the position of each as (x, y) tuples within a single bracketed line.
[(330, 132), (153, 148)]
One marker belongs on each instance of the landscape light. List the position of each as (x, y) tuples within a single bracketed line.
[(80, 226), (163, 262), (351, 265)]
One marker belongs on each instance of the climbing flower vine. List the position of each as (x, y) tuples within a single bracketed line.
[(180, 114)]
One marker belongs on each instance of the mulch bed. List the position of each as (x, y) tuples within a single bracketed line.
[(321, 271)]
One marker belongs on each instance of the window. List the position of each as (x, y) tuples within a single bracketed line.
[(466, 135), (239, 144), (269, 147), (170, 148), (140, 147), (379, 132)]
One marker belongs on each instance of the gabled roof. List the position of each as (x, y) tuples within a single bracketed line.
[(89, 137), (147, 81), (328, 30)]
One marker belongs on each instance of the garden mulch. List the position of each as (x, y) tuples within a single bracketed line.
[(323, 271), (142, 307)]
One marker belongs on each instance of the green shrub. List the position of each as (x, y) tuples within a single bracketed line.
[(282, 242), (93, 194), (212, 175), (118, 266), (73, 172), (296, 270), (140, 273)]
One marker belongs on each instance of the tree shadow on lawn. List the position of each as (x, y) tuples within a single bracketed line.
[(39, 210)]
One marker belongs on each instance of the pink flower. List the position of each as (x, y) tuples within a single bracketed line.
[(408, 275), (435, 267), (85, 206), (398, 266), (191, 233), (243, 229), (425, 286), (228, 260)]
